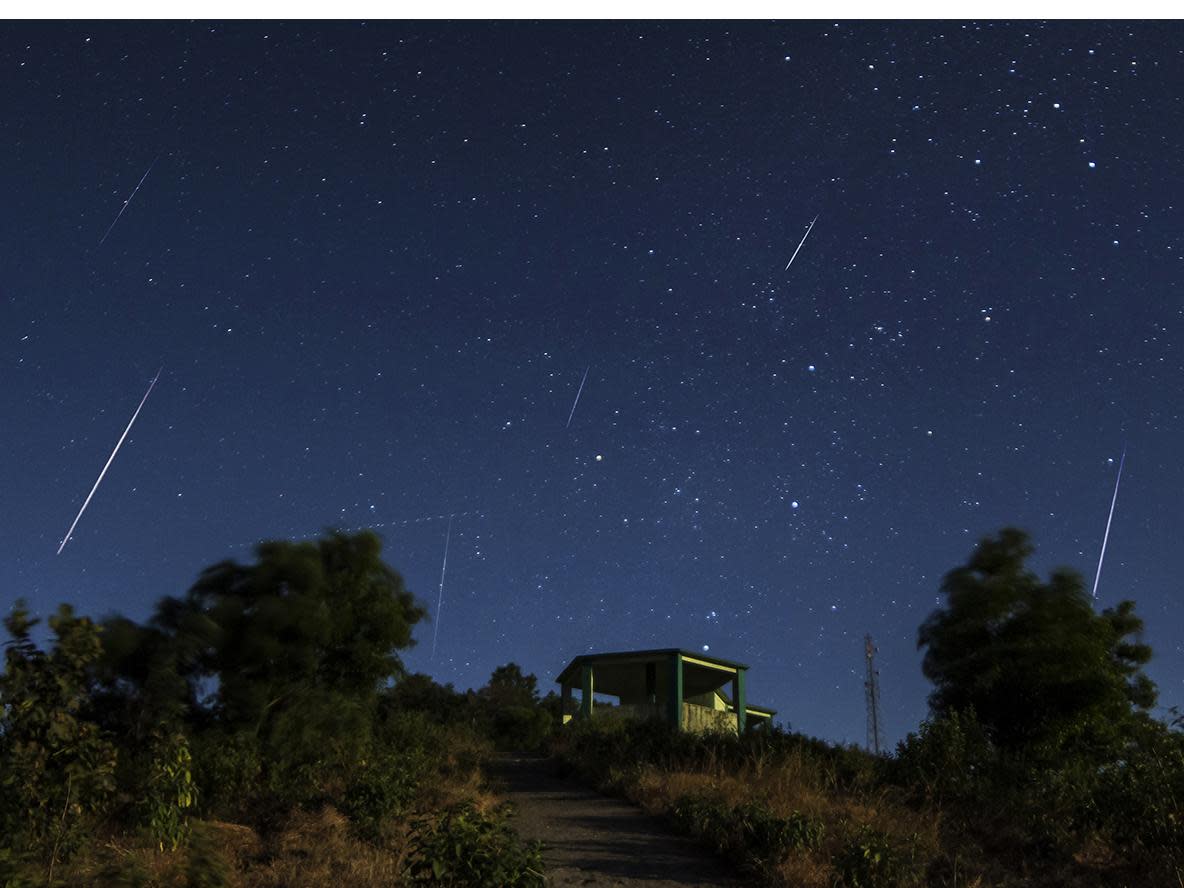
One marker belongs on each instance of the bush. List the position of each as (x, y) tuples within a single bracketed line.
[(750, 833), (384, 790), (226, 768), (467, 849), (870, 859), (769, 837), (1140, 800), (708, 820), (948, 758), (169, 792), (56, 767)]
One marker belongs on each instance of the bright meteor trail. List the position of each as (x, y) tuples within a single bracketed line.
[(803, 240), (110, 459), (1106, 535), (129, 199), (579, 392)]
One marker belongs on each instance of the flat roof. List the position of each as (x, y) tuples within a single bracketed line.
[(631, 655)]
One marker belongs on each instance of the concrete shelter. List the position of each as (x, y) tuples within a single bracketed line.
[(690, 691)]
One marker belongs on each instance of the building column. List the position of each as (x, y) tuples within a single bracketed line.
[(586, 690), (564, 701), (741, 700), (675, 691)]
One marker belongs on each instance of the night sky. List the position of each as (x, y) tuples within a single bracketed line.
[(375, 262)]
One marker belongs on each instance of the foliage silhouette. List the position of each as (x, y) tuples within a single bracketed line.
[(1032, 659)]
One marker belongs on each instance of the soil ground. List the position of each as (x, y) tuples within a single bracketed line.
[(592, 840)]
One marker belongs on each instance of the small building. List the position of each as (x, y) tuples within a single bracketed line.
[(692, 692)]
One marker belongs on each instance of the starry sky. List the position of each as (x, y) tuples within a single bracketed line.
[(377, 261)]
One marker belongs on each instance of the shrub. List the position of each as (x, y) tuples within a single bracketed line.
[(56, 767), (227, 769), (1140, 800), (708, 820), (870, 859), (769, 837), (948, 758), (467, 849), (169, 792), (385, 789), (751, 833)]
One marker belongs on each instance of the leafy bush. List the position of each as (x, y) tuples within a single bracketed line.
[(467, 849), (169, 793), (708, 820), (750, 833), (870, 859), (769, 837), (385, 790), (227, 768), (1140, 800), (948, 758), (56, 767)]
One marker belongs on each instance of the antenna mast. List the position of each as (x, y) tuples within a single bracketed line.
[(871, 687)]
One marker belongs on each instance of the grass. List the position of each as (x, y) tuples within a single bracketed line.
[(749, 800)]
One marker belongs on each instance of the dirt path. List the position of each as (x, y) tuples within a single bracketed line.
[(591, 840)]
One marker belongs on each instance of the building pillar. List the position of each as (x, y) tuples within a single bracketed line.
[(586, 690), (675, 691), (741, 699), (564, 702), (651, 683)]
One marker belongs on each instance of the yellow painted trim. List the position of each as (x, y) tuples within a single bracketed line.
[(697, 662)]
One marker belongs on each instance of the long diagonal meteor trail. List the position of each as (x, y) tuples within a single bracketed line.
[(1106, 535), (110, 459), (579, 392), (802, 241), (440, 600), (129, 199)]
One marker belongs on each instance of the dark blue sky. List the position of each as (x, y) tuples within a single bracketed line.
[(375, 261)]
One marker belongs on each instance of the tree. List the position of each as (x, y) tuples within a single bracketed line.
[(508, 686), (1032, 659), (56, 767), (299, 644), (510, 703)]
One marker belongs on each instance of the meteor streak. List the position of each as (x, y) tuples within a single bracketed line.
[(440, 600), (110, 459), (803, 240), (1106, 535), (577, 400), (129, 199)]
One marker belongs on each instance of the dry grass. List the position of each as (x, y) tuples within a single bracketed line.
[(311, 849), (796, 788), (316, 849)]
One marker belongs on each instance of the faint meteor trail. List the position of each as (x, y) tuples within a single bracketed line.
[(579, 392), (440, 600), (129, 199), (803, 240), (423, 519), (110, 459), (1106, 535)]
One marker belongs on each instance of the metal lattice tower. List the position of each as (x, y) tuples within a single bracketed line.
[(871, 687)]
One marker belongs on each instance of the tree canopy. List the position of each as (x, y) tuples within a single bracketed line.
[(1031, 658)]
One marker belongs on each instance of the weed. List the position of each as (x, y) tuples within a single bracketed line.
[(467, 849)]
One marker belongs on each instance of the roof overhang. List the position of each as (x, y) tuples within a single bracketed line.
[(571, 671)]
